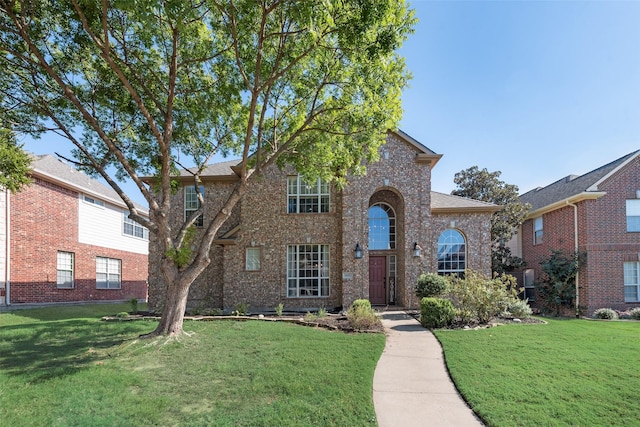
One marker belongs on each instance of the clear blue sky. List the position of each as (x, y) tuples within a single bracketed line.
[(535, 89)]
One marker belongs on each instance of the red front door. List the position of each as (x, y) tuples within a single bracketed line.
[(377, 277)]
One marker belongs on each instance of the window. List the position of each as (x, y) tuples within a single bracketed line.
[(631, 281), (633, 215), (307, 198), (451, 253), (537, 231), (529, 289), (108, 273), (382, 227), (307, 271), (132, 228), (65, 270), (93, 201), (252, 259), (191, 203)]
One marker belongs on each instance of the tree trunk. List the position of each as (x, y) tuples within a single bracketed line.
[(174, 307)]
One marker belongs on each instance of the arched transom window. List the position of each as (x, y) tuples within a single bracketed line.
[(452, 253), (382, 227)]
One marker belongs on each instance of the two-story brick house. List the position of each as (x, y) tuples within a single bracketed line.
[(66, 238), (310, 245), (597, 213)]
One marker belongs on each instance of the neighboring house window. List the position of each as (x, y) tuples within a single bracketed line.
[(307, 271), (93, 201), (537, 231), (108, 274), (305, 197), (252, 259), (529, 288), (633, 215), (382, 227), (65, 270), (191, 203), (132, 228), (452, 253), (632, 281)]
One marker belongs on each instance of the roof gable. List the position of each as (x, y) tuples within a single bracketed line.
[(574, 187), (447, 203)]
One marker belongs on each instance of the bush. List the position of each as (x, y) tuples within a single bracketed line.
[(519, 308), (436, 312), (605, 313), (479, 298), (279, 309), (361, 316), (635, 313), (431, 285)]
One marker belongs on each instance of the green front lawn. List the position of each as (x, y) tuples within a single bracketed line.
[(565, 373), (65, 367)]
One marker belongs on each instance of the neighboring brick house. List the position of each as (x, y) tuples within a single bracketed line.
[(599, 214), (311, 245), (66, 238)]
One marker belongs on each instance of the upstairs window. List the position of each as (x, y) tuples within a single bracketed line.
[(303, 197), (537, 231), (93, 201), (132, 228), (633, 215), (191, 203), (382, 227)]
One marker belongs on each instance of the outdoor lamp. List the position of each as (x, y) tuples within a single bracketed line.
[(358, 251), (416, 250)]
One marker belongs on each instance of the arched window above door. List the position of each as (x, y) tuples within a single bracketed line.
[(382, 227), (452, 253)]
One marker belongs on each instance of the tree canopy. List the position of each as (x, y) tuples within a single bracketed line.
[(486, 186), (15, 163), (138, 86)]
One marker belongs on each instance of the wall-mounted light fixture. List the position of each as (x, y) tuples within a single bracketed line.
[(358, 251), (417, 250), (386, 181), (385, 154)]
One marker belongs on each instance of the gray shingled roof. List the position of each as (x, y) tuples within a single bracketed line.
[(441, 201), (572, 185), (64, 174), (215, 169)]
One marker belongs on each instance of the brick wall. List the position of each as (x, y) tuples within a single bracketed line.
[(44, 220), (602, 235)]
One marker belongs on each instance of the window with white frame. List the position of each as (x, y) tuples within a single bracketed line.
[(452, 253), (132, 228), (65, 270), (633, 215), (191, 203), (307, 271), (528, 277), (108, 273), (93, 201), (537, 230), (632, 281), (303, 197), (252, 259)]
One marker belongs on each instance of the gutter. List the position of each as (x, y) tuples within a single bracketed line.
[(575, 237), (7, 264)]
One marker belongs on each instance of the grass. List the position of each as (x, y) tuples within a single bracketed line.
[(62, 366), (564, 373)]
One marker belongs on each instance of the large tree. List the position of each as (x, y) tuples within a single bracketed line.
[(15, 163), (310, 83), (486, 186)]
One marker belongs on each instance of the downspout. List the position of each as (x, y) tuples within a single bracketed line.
[(575, 237), (7, 264)]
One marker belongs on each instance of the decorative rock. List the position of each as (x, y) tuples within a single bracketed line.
[(517, 321), (260, 316)]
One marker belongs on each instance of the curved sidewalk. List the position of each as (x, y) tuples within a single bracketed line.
[(411, 384)]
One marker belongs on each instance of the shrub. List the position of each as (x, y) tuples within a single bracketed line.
[(431, 285), (134, 305), (519, 308), (605, 313), (361, 316), (479, 298), (279, 309), (635, 313), (436, 312), (122, 315), (241, 309)]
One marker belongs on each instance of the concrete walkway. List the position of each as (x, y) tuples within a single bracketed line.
[(411, 384)]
